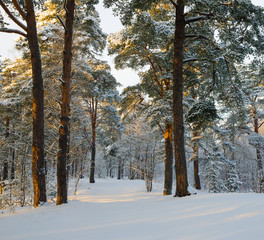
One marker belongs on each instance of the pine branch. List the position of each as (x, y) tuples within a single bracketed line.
[(19, 9), (9, 30), (12, 17), (196, 36), (65, 6), (195, 19), (173, 3), (61, 81), (160, 127), (190, 60), (260, 125), (62, 23), (87, 137)]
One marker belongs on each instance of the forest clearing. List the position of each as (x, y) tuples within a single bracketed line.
[(122, 209), (176, 154)]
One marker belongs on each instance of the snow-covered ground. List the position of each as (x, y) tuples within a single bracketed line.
[(113, 210)]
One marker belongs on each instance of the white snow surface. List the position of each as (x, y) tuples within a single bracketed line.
[(113, 210)]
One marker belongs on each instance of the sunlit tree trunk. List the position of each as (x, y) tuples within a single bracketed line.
[(65, 106), (178, 127), (38, 162), (260, 175), (168, 174)]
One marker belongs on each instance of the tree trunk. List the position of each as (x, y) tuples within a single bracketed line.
[(13, 166), (68, 155), (178, 127), (38, 161), (168, 179), (119, 169), (260, 175), (110, 168), (5, 168), (197, 182), (65, 106), (94, 116)]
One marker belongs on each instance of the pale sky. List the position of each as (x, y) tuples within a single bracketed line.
[(109, 24)]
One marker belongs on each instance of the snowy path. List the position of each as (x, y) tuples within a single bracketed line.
[(115, 210)]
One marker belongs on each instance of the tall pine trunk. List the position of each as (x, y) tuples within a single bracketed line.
[(168, 178), (13, 165), (119, 169), (260, 175), (93, 143), (5, 167), (178, 127), (65, 106), (38, 161), (197, 182)]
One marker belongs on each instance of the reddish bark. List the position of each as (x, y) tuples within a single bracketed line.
[(38, 161), (93, 114), (65, 106), (178, 127), (197, 182), (168, 178)]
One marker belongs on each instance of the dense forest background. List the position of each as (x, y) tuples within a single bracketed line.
[(198, 105)]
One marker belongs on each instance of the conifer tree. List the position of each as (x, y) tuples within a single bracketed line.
[(26, 12), (215, 15), (65, 105), (153, 48)]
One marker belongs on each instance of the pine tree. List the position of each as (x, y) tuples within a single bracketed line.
[(240, 41), (65, 106), (136, 49), (27, 13)]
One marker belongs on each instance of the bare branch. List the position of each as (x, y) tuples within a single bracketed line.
[(190, 60), (195, 19), (62, 23), (15, 20), (260, 124), (65, 6), (226, 4), (163, 132), (205, 14), (87, 137), (174, 3), (59, 102), (196, 36), (61, 81), (9, 30), (19, 9)]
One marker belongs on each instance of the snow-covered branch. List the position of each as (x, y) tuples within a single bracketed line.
[(19, 9), (9, 30), (12, 17), (196, 36)]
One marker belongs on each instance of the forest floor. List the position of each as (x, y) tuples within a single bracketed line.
[(118, 210)]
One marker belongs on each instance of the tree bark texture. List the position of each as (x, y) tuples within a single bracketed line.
[(260, 174), (65, 106), (168, 178), (38, 162), (5, 167), (119, 169), (93, 143), (178, 127), (197, 182), (13, 165)]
